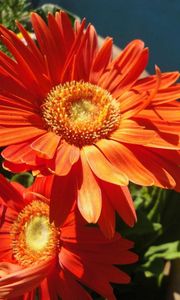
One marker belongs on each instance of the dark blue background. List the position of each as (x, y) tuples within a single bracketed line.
[(157, 22)]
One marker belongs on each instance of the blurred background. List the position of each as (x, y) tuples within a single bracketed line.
[(156, 22)]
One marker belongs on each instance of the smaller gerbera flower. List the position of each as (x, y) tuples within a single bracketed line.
[(36, 256)]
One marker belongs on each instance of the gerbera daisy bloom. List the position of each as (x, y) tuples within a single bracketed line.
[(68, 107), (36, 254)]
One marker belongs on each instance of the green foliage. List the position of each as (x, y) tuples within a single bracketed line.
[(10, 11), (25, 179), (157, 232), (156, 236)]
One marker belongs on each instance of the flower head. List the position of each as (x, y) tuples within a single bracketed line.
[(67, 107), (35, 254)]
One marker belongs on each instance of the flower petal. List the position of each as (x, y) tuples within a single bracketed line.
[(18, 281), (89, 194), (46, 145), (163, 171), (121, 201), (167, 79), (102, 168), (95, 280), (63, 195), (107, 218), (19, 134), (101, 60), (66, 156), (124, 159), (10, 195), (67, 280), (17, 117), (138, 135)]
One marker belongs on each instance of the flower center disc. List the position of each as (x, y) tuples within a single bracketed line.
[(80, 112), (37, 233), (34, 239)]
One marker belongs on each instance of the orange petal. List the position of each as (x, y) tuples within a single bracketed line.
[(46, 145), (129, 55), (66, 156), (120, 156), (28, 78), (10, 194), (121, 201), (132, 104), (166, 140), (18, 134), (18, 281), (137, 67), (137, 135), (163, 171), (14, 153), (163, 114), (66, 280), (101, 60), (66, 72), (98, 282), (89, 194), (18, 117), (148, 83), (30, 60), (167, 95), (47, 46), (102, 168), (63, 196), (107, 218), (129, 64), (16, 168), (42, 185), (66, 29)]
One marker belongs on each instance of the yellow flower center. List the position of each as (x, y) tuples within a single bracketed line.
[(34, 239), (80, 112)]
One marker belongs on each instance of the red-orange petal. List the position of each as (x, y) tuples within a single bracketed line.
[(17, 117), (63, 195), (46, 145), (138, 135), (10, 195), (107, 218), (89, 194), (121, 201), (66, 156), (102, 168), (163, 171), (101, 60), (19, 134), (120, 156), (148, 83), (19, 281)]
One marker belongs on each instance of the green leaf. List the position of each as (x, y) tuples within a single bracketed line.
[(155, 258), (166, 251), (26, 179)]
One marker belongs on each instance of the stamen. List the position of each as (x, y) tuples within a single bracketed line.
[(80, 112), (34, 239)]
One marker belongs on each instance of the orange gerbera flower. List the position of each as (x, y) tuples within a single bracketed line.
[(35, 253), (69, 108)]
